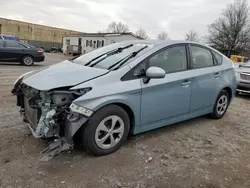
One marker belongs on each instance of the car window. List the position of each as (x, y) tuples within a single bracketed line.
[(171, 60), (201, 57), (22, 46), (1, 43), (218, 58), (12, 44)]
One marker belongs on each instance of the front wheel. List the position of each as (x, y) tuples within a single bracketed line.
[(27, 60), (106, 130), (221, 105)]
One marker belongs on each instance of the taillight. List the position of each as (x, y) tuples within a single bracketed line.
[(39, 51)]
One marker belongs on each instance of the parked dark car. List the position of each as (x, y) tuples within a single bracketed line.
[(15, 51)]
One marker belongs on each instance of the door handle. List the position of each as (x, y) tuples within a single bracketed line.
[(135, 92), (186, 83), (217, 74)]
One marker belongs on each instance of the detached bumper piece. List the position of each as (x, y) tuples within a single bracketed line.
[(54, 148)]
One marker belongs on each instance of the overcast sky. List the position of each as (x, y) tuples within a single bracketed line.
[(173, 16)]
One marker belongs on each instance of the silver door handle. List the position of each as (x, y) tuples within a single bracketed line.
[(217, 74), (185, 83)]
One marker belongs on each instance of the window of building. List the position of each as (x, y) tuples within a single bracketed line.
[(201, 57), (87, 43), (90, 43), (67, 41), (94, 44), (173, 59), (102, 42)]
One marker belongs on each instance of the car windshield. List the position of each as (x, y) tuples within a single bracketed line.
[(247, 64), (101, 58)]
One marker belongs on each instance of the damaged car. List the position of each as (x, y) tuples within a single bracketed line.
[(123, 88)]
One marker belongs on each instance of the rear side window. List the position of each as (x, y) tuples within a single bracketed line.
[(12, 44), (218, 58), (201, 57), (1, 43)]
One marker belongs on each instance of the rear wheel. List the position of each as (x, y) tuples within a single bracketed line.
[(221, 105), (27, 60), (106, 130)]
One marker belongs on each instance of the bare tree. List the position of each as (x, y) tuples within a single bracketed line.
[(117, 27), (141, 33), (231, 32), (191, 35), (162, 36)]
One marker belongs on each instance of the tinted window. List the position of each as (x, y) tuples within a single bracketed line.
[(11, 44), (201, 57), (1, 43), (171, 60), (218, 58)]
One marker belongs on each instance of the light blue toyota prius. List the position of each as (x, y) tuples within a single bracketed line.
[(124, 88)]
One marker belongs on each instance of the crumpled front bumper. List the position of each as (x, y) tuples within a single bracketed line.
[(61, 144)]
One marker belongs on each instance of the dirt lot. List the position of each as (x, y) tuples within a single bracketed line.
[(196, 153)]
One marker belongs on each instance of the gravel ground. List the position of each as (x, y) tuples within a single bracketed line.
[(196, 153)]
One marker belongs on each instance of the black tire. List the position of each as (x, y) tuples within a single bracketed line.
[(27, 60), (215, 114), (89, 130)]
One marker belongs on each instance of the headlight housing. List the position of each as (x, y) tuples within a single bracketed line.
[(81, 110)]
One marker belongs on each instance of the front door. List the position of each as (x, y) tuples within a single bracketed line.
[(1, 50), (168, 97), (13, 50)]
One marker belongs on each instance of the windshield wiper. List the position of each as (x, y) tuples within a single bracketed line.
[(125, 59), (107, 54)]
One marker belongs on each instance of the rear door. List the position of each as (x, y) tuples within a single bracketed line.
[(206, 77)]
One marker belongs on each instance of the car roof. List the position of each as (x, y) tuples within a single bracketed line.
[(161, 42)]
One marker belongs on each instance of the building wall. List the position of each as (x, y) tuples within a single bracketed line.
[(107, 40), (33, 32)]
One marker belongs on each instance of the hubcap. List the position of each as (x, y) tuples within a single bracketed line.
[(109, 132), (222, 104), (28, 61)]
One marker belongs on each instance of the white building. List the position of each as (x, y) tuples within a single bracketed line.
[(90, 41)]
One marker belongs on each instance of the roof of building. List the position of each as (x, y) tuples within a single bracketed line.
[(101, 34)]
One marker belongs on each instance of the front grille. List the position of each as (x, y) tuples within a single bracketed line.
[(245, 76), (31, 114)]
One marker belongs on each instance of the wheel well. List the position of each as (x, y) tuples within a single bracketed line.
[(27, 55), (130, 114), (229, 91)]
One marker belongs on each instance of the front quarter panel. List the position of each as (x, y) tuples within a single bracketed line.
[(109, 89)]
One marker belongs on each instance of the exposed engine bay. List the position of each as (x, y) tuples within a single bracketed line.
[(49, 115)]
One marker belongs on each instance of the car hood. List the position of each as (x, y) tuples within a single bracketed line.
[(62, 74)]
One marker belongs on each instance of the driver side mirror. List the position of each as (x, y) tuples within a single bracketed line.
[(155, 72)]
